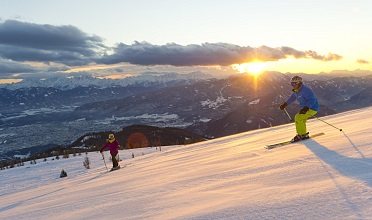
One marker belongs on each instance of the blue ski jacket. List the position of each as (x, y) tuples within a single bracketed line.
[(306, 97)]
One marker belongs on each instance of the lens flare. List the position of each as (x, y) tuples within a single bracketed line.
[(254, 68), (137, 140)]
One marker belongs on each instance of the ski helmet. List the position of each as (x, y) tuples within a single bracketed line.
[(111, 136), (296, 79)]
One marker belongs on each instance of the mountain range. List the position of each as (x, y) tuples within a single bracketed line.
[(201, 104), (219, 107)]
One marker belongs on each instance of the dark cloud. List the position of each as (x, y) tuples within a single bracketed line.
[(57, 68), (36, 55), (20, 41), (223, 54), (361, 61), (8, 68), (173, 54), (68, 45), (17, 70)]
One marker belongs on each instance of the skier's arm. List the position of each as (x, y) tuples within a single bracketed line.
[(291, 99), (311, 99), (104, 147)]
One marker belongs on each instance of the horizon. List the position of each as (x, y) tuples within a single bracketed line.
[(44, 77), (127, 38), (335, 73)]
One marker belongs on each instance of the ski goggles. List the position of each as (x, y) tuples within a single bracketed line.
[(293, 84)]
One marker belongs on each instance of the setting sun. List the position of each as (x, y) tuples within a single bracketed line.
[(255, 67)]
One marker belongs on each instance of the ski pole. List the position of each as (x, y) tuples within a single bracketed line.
[(103, 157), (328, 123), (287, 114)]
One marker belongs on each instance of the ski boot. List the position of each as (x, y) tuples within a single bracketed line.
[(299, 137), (115, 168)]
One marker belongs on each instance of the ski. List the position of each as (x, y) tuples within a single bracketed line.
[(271, 146), (116, 168)]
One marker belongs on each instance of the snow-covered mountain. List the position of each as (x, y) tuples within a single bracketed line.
[(67, 83), (252, 102), (213, 108), (57, 92), (234, 177)]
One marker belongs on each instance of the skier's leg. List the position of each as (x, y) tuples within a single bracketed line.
[(300, 120), (114, 161)]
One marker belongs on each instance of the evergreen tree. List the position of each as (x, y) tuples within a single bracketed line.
[(86, 162), (63, 174)]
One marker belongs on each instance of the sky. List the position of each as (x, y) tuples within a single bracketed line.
[(111, 38), (234, 177)]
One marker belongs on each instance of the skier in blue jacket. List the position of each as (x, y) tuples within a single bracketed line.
[(308, 103)]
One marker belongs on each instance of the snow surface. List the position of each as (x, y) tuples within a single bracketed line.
[(234, 177)]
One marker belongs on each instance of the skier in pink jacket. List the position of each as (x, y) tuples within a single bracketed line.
[(114, 145)]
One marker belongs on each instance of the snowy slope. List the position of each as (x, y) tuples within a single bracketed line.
[(329, 177)]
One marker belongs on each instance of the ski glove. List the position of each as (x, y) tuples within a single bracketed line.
[(304, 110), (282, 106)]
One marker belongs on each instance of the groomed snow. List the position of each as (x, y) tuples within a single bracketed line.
[(328, 177)]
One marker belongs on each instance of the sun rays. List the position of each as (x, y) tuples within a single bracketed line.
[(253, 68)]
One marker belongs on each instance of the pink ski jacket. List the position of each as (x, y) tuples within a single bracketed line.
[(114, 146)]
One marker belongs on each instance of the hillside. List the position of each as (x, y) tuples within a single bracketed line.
[(237, 104), (233, 177)]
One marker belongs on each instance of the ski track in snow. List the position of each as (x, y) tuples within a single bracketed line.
[(234, 177)]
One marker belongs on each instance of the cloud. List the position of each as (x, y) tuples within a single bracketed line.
[(21, 41), (361, 61), (62, 47), (316, 56), (207, 54), (8, 68)]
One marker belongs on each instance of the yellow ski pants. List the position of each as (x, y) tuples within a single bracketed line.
[(300, 120)]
